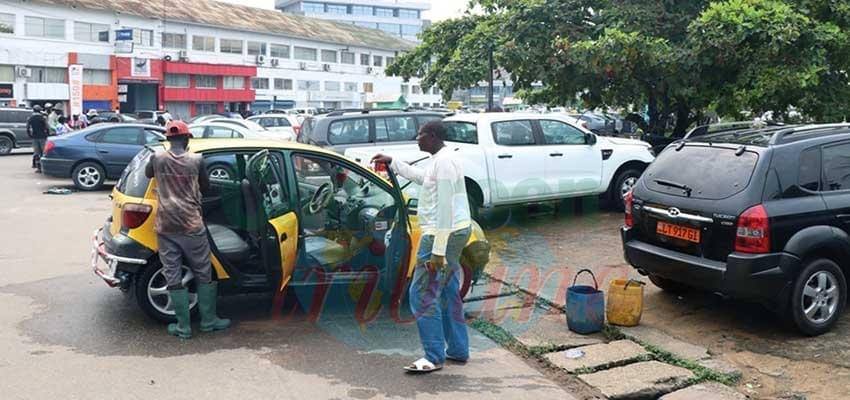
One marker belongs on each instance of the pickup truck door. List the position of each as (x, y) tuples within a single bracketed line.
[(572, 165), (516, 162)]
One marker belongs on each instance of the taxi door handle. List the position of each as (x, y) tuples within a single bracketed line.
[(283, 237), (505, 156), (556, 154)]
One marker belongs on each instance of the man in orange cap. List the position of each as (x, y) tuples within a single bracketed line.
[(181, 235)]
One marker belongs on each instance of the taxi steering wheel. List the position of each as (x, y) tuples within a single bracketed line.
[(321, 198)]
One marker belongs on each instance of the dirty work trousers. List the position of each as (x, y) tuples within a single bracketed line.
[(37, 151), (436, 303), (193, 251)]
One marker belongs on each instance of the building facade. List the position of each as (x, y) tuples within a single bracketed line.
[(189, 62), (397, 18)]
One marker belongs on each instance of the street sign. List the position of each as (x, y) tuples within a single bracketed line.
[(123, 34), (122, 98), (122, 88), (75, 86)]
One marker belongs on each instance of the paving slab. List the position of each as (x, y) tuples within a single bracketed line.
[(657, 338), (486, 288), (551, 330), (706, 391), (644, 380), (721, 366), (599, 355), (497, 309)]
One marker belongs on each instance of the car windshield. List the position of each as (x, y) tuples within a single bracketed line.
[(133, 181), (701, 172)]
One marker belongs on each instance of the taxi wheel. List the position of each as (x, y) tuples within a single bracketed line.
[(152, 293)]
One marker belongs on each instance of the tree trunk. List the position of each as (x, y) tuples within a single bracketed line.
[(683, 121)]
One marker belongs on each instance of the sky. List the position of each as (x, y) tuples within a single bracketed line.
[(440, 9)]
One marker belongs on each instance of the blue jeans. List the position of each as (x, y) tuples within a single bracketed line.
[(436, 303)]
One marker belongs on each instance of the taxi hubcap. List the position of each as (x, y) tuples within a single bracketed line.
[(158, 292)]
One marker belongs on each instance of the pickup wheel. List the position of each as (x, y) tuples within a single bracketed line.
[(623, 183), (819, 296), (6, 145), (152, 293)]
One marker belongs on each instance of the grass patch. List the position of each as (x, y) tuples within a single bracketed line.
[(497, 334), (701, 373)]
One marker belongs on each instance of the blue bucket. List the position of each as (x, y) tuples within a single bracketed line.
[(585, 306)]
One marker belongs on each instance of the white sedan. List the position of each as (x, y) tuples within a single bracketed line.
[(255, 127), (225, 130), (278, 123)]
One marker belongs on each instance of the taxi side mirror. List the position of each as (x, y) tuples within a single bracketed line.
[(412, 205)]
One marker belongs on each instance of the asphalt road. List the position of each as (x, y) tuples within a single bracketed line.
[(65, 334)]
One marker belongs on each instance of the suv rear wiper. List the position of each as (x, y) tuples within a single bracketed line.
[(676, 185)]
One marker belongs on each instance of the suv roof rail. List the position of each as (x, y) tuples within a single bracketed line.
[(780, 136), (726, 127)]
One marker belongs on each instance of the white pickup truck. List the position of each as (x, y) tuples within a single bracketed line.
[(514, 158)]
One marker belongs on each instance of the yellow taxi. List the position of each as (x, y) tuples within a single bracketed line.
[(278, 215)]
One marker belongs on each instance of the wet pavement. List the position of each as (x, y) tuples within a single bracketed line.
[(541, 248), (65, 334)]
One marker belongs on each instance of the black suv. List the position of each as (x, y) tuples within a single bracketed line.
[(13, 129), (343, 129), (757, 214)]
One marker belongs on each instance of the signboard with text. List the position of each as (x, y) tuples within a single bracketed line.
[(123, 34), (75, 86)]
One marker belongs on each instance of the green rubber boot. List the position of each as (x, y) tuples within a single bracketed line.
[(207, 298), (180, 301)]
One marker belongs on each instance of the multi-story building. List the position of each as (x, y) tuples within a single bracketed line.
[(189, 56), (398, 18)]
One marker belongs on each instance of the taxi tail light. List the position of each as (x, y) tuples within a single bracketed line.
[(629, 218), (134, 215), (48, 147), (753, 234)]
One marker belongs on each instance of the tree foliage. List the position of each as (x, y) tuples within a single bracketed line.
[(677, 59)]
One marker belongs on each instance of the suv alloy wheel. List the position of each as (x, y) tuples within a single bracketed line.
[(819, 296)]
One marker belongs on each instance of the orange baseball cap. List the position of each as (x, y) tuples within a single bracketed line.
[(177, 128)]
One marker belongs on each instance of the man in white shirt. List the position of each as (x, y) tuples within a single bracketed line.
[(444, 218)]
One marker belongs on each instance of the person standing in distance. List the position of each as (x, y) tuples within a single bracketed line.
[(38, 130), (445, 220), (181, 235)]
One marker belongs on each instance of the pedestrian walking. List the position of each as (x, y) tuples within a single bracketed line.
[(38, 130), (181, 235), (444, 217), (52, 118)]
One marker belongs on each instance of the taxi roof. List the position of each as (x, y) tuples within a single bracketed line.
[(202, 145)]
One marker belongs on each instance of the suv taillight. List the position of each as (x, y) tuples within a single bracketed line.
[(753, 231), (629, 219), (48, 146), (134, 215)]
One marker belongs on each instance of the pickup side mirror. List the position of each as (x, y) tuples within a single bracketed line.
[(590, 139)]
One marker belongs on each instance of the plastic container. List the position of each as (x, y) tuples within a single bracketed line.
[(625, 302), (585, 306)]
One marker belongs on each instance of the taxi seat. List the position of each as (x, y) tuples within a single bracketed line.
[(229, 243)]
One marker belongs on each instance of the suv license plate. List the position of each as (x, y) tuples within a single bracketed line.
[(678, 231)]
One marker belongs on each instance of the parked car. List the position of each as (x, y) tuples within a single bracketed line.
[(13, 129), (278, 122), (285, 134), (341, 130), (91, 156), (226, 130), (291, 211), (513, 158), (149, 116), (112, 116), (754, 214)]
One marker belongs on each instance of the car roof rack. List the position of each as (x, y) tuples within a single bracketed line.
[(779, 137), (724, 127)]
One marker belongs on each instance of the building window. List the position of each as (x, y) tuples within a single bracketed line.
[(177, 80), (390, 61), (7, 73), (305, 53), (392, 29), (86, 32), (203, 43), (336, 9), (346, 57), (143, 37), (235, 82), (370, 25), (407, 13), (367, 87), (313, 7), (415, 89), (230, 46), (384, 12), (308, 85), (405, 89), (256, 48), (331, 86), (205, 82), (364, 59), (49, 75), (350, 86), (328, 56), (97, 76), (410, 30), (44, 27), (378, 61), (279, 50), (174, 40), (362, 10), (260, 83), (7, 23), (206, 108), (282, 84)]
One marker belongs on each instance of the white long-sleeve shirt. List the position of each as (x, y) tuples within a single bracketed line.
[(443, 205)]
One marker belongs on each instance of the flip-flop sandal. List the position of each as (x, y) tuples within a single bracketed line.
[(422, 366)]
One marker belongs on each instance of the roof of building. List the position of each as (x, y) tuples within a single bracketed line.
[(233, 16)]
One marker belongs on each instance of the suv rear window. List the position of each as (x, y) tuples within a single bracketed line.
[(711, 173), (133, 181), (462, 132)]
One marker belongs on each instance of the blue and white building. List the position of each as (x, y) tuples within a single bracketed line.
[(394, 17)]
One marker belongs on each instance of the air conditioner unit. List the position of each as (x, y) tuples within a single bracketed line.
[(25, 72), (302, 65), (368, 70), (183, 55), (275, 62), (261, 59), (326, 67)]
